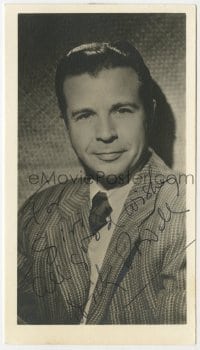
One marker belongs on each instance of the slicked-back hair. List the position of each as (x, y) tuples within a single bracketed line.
[(91, 58)]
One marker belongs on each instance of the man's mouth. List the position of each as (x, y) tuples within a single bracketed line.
[(109, 156)]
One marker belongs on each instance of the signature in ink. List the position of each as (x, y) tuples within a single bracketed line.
[(149, 189), (155, 276), (123, 247), (47, 253), (153, 187)]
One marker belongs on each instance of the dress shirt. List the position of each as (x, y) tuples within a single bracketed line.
[(99, 243)]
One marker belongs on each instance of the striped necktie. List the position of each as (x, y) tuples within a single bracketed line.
[(100, 211)]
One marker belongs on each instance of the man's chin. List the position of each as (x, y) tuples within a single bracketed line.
[(113, 181), (116, 176), (109, 179)]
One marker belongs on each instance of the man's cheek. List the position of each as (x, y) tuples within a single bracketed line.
[(75, 136)]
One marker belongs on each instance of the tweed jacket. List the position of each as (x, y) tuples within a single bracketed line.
[(142, 279)]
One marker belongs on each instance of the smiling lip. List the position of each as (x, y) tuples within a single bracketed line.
[(110, 156)]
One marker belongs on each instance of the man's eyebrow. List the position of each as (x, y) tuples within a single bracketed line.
[(118, 105), (114, 107), (79, 111)]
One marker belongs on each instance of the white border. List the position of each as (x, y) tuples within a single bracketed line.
[(189, 125)]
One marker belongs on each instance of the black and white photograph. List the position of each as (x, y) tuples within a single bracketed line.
[(102, 169)]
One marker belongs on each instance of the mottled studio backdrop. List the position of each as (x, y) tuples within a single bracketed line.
[(44, 148)]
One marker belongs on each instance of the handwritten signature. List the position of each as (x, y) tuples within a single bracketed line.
[(49, 252)]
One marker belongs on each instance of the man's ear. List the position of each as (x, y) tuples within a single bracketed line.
[(151, 121), (154, 105), (64, 119)]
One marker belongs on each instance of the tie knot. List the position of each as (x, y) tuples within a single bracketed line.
[(100, 210), (99, 198)]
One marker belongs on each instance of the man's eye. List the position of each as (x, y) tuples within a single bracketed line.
[(125, 110), (83, 116)]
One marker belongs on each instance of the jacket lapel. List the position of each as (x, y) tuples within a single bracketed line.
[(69, 233), (125, 242)]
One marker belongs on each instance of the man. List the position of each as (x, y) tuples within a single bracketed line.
[(110, 248)]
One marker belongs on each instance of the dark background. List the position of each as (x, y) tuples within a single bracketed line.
[(43, 38)]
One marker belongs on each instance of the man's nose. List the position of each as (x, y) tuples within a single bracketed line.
[(106, 130)]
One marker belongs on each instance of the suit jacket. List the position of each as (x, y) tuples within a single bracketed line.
[(142, 279)]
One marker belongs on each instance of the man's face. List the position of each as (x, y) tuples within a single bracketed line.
[(106, 119)]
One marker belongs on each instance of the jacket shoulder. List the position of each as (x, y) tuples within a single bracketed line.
[(43, 202), (173, 187)]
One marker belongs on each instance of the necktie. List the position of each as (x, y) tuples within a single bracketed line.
[(101, 209)]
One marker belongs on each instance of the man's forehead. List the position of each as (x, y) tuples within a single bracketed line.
[(112, 86), (115, 75)]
